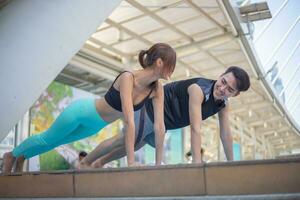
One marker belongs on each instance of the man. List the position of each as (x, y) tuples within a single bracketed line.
[(186, 102), (82, 155), (188, 155)]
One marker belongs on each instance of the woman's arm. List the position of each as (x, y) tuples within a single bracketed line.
[(159, 124), (195, 113), (126, 88)]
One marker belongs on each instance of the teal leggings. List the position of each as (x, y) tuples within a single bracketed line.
[(79, 120)]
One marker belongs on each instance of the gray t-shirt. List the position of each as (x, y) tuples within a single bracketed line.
[(176, 102)]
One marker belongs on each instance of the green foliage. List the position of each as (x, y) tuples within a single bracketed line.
[(45, 108), (53, 161), (79, 146), (58, 91)]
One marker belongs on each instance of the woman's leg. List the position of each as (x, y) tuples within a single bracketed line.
[(79, 133), (8, 162), (64, 124), (82, 112), (77, 121), (20, 164)]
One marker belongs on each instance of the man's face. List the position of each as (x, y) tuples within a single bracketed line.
[(225, 87), (80, 158)]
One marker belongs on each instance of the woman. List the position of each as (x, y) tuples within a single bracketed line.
[(86, 117)]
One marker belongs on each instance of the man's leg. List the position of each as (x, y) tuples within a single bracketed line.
[(115, 154), (146, 137), (111, 156), (102, 149), (107, 146)]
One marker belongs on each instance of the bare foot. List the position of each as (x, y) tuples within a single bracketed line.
[(20, 162), (97, 164), (8, 162), (135, 164), (81, 165)]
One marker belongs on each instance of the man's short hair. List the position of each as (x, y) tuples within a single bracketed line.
[(241, 76), (82, 154)]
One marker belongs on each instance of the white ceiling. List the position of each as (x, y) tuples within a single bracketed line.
[(206, 45)]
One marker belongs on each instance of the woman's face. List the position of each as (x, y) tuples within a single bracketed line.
[(164, 70)]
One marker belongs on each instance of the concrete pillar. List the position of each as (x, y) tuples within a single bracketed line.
[(242, 143), (23, 128), (37, 40), (254, 145)]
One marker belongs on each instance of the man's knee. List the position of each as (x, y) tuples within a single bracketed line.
[(119, 140)]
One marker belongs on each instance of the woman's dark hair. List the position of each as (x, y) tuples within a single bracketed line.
[(241, 76), (158, 50)]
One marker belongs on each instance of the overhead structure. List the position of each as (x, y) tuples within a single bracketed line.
[(204, 33), (34, 51), (207, 41)]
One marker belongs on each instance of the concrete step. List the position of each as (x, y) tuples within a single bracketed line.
[(294, 196), (201, 180)]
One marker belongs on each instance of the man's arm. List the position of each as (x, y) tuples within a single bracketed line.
[(225, 133), (195, 113)]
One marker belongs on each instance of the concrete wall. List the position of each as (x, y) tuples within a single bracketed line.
[(37, 39)]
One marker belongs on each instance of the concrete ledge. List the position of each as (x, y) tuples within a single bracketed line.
[(162, 181), (253, 177), (218, 179), (41, 185), (293, 196)]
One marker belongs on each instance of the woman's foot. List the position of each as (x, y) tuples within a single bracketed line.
[(8, 162), (20, 163)]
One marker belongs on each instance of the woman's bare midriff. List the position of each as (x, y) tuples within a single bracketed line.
[(106, 112)]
